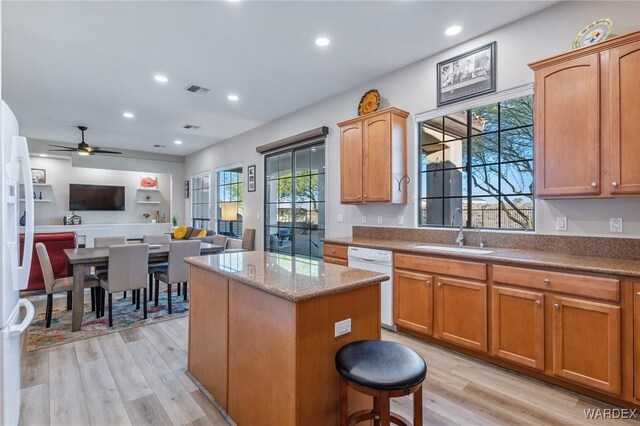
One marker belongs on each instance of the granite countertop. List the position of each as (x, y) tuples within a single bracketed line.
[(600, 265), (284, 276)]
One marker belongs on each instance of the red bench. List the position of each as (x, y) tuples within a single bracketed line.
[(55, 242)]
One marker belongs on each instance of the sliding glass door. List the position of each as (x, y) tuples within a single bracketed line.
[(295, 201)]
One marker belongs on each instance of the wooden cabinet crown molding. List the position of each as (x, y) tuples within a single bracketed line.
[(585, 51), (393, 110)]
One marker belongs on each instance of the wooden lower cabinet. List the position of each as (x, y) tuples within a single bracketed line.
[(413, 301), (461, 312), (517, 326), (336, 261), (586, 343), (636, 340)]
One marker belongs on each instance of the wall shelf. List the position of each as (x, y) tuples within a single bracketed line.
[(148, 202), (39, 184)]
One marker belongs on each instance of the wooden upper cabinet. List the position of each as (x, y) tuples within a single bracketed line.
[(351, 157), (461, 312), (373, 158), (413, 301), (567, 128), (586, 343), (624, 66), (517, 326), (587, 121)]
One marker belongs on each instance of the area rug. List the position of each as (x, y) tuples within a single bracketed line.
[(124, 316)]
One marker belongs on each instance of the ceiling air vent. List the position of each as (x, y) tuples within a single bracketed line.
[(159, 146), (194, 88), (191, 126)]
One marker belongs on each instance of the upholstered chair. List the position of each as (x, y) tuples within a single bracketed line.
[(178, 270), (128, 266), (53, 285), (156, 266), (100, 242)]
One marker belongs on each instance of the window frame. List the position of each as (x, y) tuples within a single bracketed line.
[(218, 206), (526, 90), (192, 191)]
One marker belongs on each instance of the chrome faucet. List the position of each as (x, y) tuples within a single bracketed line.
[(480, 242), (460, 238)]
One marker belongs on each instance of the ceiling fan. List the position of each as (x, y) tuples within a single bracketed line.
[(83, 147)]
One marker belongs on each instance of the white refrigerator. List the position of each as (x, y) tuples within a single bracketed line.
[(16, 170)]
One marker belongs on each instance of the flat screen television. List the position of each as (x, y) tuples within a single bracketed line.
[(95, 197)]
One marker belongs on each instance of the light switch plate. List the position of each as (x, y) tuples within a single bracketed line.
[(561, 223), (379, 220), (400, 220), (615, 224), (364, 219), (342, 327), (339, 218)]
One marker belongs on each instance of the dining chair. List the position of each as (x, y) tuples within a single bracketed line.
[(178, 271), (100, 242), (156, 266), (53, 285), (128, 266)]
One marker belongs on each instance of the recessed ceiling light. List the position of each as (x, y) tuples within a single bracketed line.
[(128, 114), (322, 41), (453, 30), (160, 78), (178, 142), (43, 155), (233, 97)]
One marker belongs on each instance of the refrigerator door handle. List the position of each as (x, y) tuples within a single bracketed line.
[(21, 150), (17, 329)]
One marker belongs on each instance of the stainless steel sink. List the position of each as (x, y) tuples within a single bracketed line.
[(454, 249)]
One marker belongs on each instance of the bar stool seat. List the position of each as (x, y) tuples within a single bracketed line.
[(384, 370)]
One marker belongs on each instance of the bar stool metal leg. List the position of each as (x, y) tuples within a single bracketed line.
[(417, 406)]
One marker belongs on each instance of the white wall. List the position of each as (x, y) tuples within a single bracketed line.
[(412, 88)]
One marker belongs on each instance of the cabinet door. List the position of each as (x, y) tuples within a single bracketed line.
[(461, 312), (517, 319), (624, 66), (377, 159), (586, 343), (413, 301), (567, 128), (636, 339), (351, 157)]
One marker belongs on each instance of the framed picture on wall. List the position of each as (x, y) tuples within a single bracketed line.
[(251, 173), (467, 76), (38, 176)]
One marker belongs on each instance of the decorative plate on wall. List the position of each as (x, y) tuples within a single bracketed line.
[(593, 33), (149, 182), (369, 102)]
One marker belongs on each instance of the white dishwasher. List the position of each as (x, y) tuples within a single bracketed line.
[(377, 261)]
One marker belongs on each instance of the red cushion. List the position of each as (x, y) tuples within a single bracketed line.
[(55, 242)]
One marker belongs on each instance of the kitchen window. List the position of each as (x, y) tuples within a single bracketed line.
[(230, 211), (295, 201), (479, 161), (200, 201)]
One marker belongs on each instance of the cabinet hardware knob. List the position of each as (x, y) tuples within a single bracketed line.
[(429, 283), (333, 250), (546, 281), (365, 195), (593, 184), (439, 284), (638, 293), (538, 302), (555, 305), (614, 183)]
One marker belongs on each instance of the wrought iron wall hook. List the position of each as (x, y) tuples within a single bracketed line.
[(400, 181)]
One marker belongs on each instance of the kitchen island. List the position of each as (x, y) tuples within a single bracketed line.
[(262, 334)]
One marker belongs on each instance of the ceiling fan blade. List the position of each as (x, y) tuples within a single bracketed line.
[(104, 151), (61, 146), (63, 150)]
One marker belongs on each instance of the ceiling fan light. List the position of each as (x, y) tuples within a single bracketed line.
[(82, 152)]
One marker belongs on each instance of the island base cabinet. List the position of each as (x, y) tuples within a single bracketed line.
[(517, 326), (586, 343), (461, 312), (413, 301), (636, 339)]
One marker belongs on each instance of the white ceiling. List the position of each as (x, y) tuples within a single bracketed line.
[(71, 63)]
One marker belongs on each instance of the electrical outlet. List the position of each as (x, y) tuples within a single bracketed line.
[(400, 220), (342, 327), (339, 218), (379, 220), (615, 224), (257, 215), (364, 220), (561, 223)]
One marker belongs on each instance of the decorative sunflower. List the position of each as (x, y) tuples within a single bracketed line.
[(369, 102)]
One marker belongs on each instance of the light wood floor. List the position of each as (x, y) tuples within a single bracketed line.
[(137, 377)]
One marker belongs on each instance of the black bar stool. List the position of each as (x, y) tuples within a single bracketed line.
[(383, 370)]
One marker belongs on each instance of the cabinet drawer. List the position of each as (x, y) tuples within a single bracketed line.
[(442, 266), (334, 250), (579, 285), (336, 261)]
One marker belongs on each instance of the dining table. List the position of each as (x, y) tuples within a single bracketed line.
[(82, 258)]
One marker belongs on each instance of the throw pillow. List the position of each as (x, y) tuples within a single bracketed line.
[(201, 234), (180, 232)]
